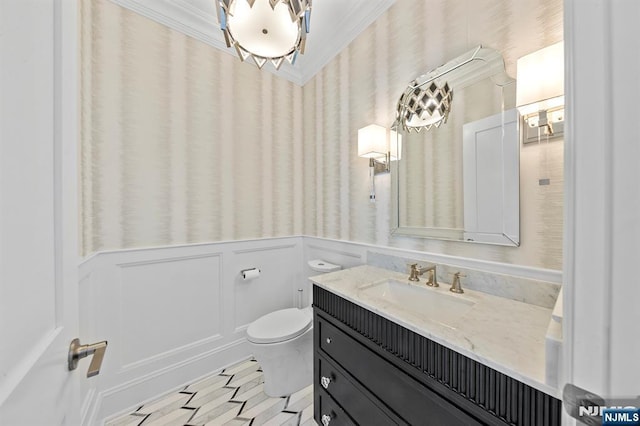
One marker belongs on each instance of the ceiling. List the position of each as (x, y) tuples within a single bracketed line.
[(334, 24)]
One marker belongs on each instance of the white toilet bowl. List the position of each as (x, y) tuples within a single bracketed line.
[(282, 343)]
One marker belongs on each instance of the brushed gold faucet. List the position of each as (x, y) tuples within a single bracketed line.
[(432, 279), (415, 271), (455, 285)]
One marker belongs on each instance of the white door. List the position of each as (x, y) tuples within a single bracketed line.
[(602, 206), (38, 217)]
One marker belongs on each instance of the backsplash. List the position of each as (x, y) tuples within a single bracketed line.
[(535, 292)]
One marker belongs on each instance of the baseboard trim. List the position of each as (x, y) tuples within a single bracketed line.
[(117, 400), (173, 352)]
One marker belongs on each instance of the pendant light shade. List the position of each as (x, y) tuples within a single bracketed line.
[(265, 30)]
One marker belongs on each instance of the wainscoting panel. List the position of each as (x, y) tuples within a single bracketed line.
[(275, 287), (174, 314), (187, 311)]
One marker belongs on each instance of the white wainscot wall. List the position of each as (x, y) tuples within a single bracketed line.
[(172, 315)]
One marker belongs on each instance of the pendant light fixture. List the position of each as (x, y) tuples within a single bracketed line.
[(424, 105), (265, 30)]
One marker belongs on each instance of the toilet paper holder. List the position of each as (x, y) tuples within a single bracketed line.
[(250, 273)]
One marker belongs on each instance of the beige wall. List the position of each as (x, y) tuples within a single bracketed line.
[(362, 85), (174, 153), (181, 143)]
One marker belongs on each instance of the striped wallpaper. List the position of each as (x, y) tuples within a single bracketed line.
[(182, 143), (362, 85)]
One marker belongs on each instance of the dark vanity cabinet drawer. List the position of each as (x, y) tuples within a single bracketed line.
[(328, 412), (406, 397), (363, 407), (412, 379)]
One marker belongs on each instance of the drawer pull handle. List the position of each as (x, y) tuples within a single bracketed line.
[(328, 340), (324, 381), (325, 419)]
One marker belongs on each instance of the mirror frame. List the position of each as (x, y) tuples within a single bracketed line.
[(471, 67)]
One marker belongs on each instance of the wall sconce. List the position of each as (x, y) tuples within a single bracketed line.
[(540, 92), (380, 146), (377, 144)]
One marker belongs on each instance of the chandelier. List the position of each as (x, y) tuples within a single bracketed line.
[(265, 30)]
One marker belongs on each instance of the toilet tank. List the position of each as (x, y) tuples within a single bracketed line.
[(323, 266)]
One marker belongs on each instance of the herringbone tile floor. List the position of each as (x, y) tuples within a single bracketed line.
[(233, 397)]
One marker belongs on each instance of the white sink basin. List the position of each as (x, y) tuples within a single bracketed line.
[(435, 304)]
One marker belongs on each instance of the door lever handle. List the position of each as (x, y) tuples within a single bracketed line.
[(78, 351)]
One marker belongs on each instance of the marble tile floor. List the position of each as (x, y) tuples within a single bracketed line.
[(234, 397)]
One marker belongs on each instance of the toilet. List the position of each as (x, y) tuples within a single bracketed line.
[(282, 343)]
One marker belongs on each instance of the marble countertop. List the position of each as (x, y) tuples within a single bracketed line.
[(506, 335)]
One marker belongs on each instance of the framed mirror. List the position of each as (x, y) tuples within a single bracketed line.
[(458, 177)]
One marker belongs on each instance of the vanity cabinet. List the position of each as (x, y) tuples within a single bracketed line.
[(371, 371)]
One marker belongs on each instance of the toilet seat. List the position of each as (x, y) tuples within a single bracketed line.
[(279, 326)]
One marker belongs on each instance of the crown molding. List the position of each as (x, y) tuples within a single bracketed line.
[(353, 21), (202, 25)]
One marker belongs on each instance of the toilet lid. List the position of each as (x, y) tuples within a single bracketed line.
[(279, 326)]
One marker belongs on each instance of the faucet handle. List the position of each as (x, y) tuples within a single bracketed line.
[(455, 285), (413, 272)]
